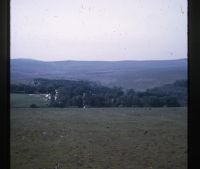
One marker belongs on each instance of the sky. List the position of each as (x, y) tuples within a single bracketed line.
[(99, 30)]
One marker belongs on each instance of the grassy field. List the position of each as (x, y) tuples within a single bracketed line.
[(25, 100), (99, 138)]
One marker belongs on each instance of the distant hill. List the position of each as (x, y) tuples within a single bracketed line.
[(138, 75)]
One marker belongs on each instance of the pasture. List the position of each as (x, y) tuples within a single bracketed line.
[(25, 100), (99, 138)]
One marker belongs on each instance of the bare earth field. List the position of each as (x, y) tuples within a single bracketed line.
[(99, 138)]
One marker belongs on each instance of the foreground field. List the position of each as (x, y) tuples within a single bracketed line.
[(98, 138)]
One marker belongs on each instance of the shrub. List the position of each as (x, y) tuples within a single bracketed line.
[(33, 106)]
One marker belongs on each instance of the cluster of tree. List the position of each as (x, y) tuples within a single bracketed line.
[(67, 93), (178, 90)]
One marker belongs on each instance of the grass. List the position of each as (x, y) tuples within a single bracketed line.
[(99, 138), (25, 100)]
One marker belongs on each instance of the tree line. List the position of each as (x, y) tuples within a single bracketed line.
[(68, 93)]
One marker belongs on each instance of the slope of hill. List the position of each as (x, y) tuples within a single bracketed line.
[(139, 75)]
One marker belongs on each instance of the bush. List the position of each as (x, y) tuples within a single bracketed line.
[(33, 106)]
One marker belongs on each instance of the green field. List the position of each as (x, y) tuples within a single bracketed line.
[(99, 138), (25, 100)]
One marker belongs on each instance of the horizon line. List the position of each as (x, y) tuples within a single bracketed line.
[(96, 60)]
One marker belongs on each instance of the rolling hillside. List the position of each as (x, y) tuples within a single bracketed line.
[(139, 75)]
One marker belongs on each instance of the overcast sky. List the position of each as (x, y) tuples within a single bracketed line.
[(99, 29)]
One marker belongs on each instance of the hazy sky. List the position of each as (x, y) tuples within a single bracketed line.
[(99, 29)]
